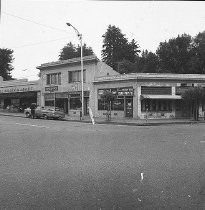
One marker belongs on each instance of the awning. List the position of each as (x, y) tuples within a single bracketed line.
[(174, 97)]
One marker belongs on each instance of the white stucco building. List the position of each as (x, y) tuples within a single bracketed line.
[(61, 82)]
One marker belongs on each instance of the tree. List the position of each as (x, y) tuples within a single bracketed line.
[(71, 51), (108, 97), (174, 55), (125, 67), (147, 63), (6, 59), (197, 62), (116, 48), (194, 97)]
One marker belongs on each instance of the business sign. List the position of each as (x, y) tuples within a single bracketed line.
[(14, 89), (125, 91), (51, 88), (78, 93)]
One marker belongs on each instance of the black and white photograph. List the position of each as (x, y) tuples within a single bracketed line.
[(102, 105)]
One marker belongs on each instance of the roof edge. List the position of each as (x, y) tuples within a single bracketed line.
[(68, 61)]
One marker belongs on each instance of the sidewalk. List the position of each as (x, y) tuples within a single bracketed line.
[(126, 121)]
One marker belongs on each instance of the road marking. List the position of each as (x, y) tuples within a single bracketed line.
[(141, 177), (40, 126)]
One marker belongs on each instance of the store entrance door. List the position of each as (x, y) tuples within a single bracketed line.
[(128, 107), (86, 105)]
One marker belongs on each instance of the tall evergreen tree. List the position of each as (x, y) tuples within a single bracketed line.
[(71, 51), (116, 47), (6, 59)]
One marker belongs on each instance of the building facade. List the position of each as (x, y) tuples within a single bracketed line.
[(146, 95), (16, 95), (138, 95), (61, 84)]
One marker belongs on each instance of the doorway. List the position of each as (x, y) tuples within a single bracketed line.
[(128, 107), (86, 105)]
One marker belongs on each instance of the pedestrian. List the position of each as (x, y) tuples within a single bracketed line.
[(33, 106)]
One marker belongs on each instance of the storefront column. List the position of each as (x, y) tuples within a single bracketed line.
[(137, 100), (42, 100)]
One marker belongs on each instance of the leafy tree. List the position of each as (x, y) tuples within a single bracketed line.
[(6, 58), (108, 97), (126, 67), (197, 62), (194, 97), (116, 48), (148, 62), (71, 51), (174, 55)]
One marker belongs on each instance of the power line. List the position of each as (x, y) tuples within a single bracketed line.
[(34, 22), (32, 44)]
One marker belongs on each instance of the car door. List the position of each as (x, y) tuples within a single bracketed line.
[(38, 112)]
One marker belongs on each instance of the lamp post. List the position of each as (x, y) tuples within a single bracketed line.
[(81, 47)]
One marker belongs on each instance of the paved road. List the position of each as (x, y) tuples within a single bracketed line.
[(47, 164)]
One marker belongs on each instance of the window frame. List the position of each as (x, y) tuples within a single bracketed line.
[(75, 76), (53, 78)]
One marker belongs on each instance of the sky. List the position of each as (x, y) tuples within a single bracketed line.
[(36, 30)]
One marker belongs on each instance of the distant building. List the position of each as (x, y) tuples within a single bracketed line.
[(15, 95)]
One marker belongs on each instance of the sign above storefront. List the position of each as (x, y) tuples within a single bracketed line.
[(51, 88), (125, 91), (86, 93), (14, 89)]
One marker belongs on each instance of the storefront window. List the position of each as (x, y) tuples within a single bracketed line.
[(49, 103), (156, 105), (118, 105), (178, 105), (75, 103), (102, 105), (153, 105)]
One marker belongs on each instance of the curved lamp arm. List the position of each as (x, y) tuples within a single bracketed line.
[(77, 32)]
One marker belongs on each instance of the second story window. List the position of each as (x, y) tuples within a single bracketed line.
[(53, 79), (75, 76)]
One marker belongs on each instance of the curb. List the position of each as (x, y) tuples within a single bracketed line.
[(123, 123)]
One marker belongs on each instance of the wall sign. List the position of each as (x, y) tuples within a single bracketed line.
[(51, 88), (13, 90), (125, 91)]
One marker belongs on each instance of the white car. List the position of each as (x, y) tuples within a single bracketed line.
[(46, 112)]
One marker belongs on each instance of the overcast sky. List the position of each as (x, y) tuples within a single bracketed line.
[(36, 30)]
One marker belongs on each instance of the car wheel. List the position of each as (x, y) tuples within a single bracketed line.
[(45, 117), (27, 115)]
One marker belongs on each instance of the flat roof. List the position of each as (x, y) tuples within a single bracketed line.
[(150, 76), (69, 61)]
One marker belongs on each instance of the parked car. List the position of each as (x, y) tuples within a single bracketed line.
[(46, 112)]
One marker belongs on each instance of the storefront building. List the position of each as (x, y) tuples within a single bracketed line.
[(146, 95), (16, 95), (61, 84)]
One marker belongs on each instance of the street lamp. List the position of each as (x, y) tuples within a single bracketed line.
[(81, 47)]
